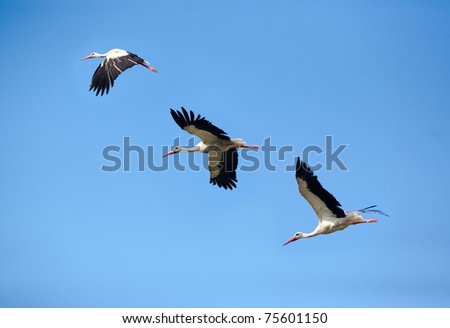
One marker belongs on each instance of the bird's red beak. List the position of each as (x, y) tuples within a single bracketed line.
[(169, 153), (289, 241), (87, 57)]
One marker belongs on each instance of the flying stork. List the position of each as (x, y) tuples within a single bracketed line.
[(331, 216), (222, 153), (116, 61)]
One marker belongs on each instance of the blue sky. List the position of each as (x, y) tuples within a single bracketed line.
[(372, 75)]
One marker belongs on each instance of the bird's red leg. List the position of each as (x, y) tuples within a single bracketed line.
[(363, 221), (250, 147), (153, 69)]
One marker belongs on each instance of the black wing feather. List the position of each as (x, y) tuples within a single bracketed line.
[(306, 174), (126, 62), (100, 81), (184, 119), (110, 69), (227, 176)]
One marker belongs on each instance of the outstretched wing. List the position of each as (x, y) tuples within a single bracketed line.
[(199, 126), (323, 203), (222, 167), (110, 69)]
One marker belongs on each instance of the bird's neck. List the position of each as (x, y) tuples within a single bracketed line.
[(191, 149), (309, 235), (314, 233)]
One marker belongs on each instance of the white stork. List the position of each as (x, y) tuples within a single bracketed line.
[(331, 216), (116, 61), (222, 153)]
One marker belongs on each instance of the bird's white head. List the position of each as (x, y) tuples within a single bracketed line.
[(297, 236), (177, 149), (92, 55)]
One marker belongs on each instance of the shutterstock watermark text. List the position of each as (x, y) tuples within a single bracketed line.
[(130, 157)]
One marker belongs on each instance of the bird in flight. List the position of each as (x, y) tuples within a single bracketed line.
[(221, 150), (116, 61), (331, 216)]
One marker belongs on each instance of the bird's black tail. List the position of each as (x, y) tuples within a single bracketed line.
[(369, 210)]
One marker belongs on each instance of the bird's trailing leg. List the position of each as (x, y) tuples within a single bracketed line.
[(153, 69), (241, 145), (361, 221), (249, 147)]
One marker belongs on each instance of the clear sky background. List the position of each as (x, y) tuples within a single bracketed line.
[(374, 75)]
